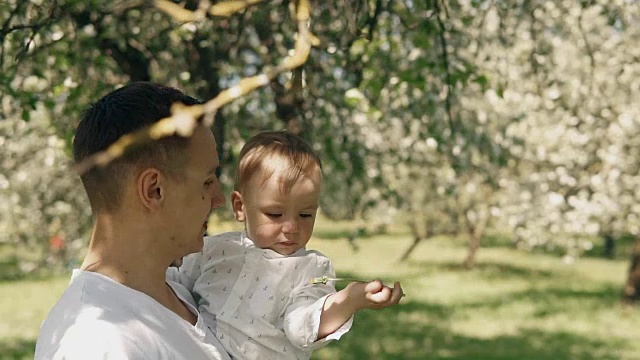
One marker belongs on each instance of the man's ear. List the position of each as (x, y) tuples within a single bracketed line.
[(238, 206), (150, 188)]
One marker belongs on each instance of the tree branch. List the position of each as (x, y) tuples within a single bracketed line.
[(184, 119), (226, 8), (372, 22), (445, 61), (587, 45), (34, 27)]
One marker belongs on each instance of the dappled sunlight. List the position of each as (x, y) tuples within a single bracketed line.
[(513, 305), (484, 153)]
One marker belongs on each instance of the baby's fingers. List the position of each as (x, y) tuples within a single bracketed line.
[(374, 286), (397, 293), (380, 297), (386, 296)]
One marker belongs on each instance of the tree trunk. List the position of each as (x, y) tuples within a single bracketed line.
[(205, 67), (416, 241), (632, 288), (476, 231), (474, 245), (609, 246), (417, 238)]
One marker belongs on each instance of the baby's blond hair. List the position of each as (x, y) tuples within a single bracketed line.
[(276, 151)]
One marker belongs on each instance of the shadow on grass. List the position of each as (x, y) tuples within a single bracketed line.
[(343, 234), (419, 331), (553, 300), (551, 290), (621, 250), (486, 269), (11, 349)]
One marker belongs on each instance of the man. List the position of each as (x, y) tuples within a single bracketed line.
[(150, 207)]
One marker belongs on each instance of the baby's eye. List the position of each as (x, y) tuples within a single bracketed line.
[(306, 215), (273, 215), (208, 182)]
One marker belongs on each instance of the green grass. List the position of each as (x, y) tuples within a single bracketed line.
[(513, 305), (23, 306)]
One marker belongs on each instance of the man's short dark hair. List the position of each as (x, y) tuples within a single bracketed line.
[(120, 112)]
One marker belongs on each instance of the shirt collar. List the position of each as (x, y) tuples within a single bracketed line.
[(267, 253)]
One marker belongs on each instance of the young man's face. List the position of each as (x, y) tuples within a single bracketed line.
[(196, 194), (282, 222)]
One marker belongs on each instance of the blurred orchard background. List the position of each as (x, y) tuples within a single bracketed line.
[(484, 152)]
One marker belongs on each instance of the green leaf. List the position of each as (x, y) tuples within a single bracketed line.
[(482, 81), (26, 115)]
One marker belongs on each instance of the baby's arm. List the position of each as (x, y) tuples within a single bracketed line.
[(303, 312), (340, 306)]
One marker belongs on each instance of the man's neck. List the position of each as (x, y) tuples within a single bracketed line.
[(129, 255), (131, 268), (138, 273)]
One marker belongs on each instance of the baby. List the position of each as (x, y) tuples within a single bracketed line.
[(261, 292)]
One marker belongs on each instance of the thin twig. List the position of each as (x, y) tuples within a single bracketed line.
[(587, 45), (445, 60), (34, 29)]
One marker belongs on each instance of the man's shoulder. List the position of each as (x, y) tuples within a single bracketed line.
[(89, 290), (85, 292), (88, 336), (90, 299), (82, 326)]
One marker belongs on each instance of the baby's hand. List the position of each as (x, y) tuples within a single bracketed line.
[(374, 295), (339, 306)]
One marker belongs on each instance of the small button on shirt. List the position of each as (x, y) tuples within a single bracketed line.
[(260, 304)]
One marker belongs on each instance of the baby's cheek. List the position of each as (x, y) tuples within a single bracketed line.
[(266, 233)]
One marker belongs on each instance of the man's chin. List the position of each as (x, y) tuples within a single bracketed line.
[(177, 262), (198, 244)]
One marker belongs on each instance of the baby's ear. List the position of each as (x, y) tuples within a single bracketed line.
[(238, 206)]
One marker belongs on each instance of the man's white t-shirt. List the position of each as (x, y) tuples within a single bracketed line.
[(99, 318)]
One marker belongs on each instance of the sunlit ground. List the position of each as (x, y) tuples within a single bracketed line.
[(514, 305)]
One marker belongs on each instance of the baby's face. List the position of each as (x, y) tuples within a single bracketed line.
[(282, 222)]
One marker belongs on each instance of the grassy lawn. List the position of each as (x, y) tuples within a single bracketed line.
[(514, 305), (23, 306)]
